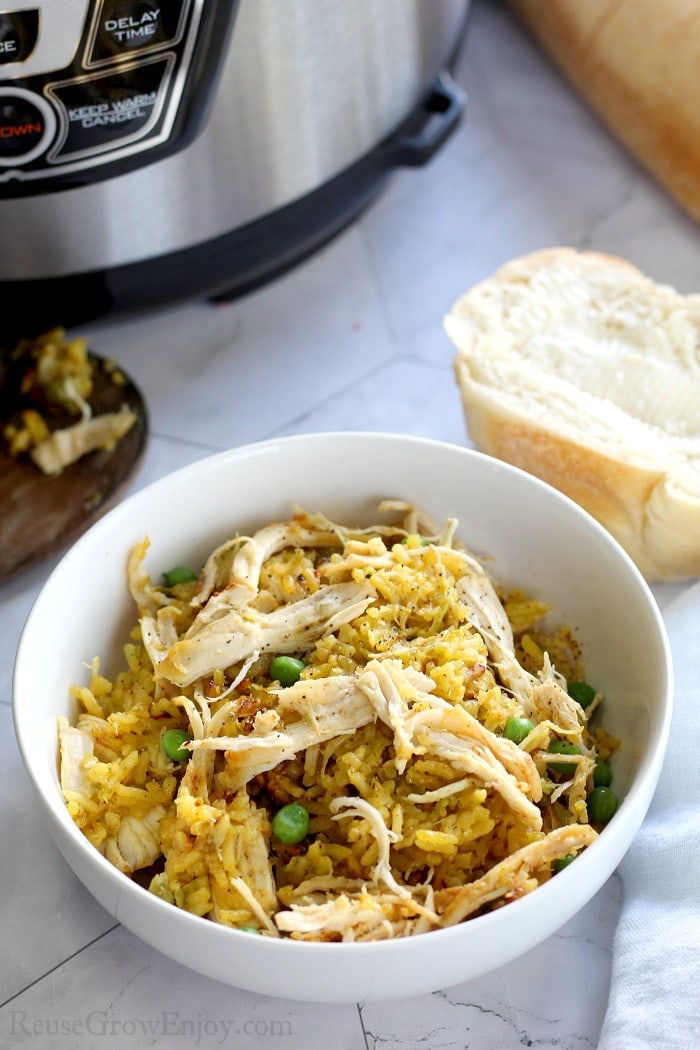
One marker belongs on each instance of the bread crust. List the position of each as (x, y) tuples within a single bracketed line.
[(644, 503), (636, 63)]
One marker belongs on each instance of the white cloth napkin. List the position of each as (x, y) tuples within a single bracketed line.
[(655, 985)]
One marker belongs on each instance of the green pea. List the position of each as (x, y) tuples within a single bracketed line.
[(171, 743), (291, 823), (286, 670), (563, 747), (602, 774), (581, 692), (249, 929), (180, 574), (562, 862), (602, 805), (517, 729)]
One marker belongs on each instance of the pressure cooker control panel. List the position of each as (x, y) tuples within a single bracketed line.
[(94, 88)]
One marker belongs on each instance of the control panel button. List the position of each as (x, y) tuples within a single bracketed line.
[(19, 32), (27, 126), (126, 26), (104, 111)]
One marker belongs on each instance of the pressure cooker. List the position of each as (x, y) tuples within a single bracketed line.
[(152, 151)]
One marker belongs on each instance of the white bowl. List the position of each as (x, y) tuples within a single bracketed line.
[(537, 539)]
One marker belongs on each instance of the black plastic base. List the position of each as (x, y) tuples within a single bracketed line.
[(223, 268)]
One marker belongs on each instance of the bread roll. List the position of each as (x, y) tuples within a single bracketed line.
[(579, 369), (636, 63)]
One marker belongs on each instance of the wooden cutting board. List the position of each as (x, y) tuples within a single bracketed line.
[(41, 515)]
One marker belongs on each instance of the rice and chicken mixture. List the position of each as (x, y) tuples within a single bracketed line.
[(422, 763)]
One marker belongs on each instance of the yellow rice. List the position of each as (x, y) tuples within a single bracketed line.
[(213, 848)]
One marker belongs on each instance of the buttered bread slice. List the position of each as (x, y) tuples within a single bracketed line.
[(581, 370)]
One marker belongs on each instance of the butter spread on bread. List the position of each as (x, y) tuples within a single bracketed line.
[(581, 370)]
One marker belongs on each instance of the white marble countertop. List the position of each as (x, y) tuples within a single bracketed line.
[(351, 339)]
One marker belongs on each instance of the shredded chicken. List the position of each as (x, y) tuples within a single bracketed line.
[(367, 916), (255, 906), (428, 797), (479, 762), (381, 682), (70, 444), (341, 915), (148, 598), (137, 842), (75, 745), (437, 728), (417, 521), (246, 555), (490, 620), (543, 698), (268, 541), (359, 807), (470, 732), (234, 635), (329, 707), (509, 876), (551, 701)]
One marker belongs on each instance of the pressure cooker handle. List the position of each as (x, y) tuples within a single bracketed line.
[(438, 116)]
